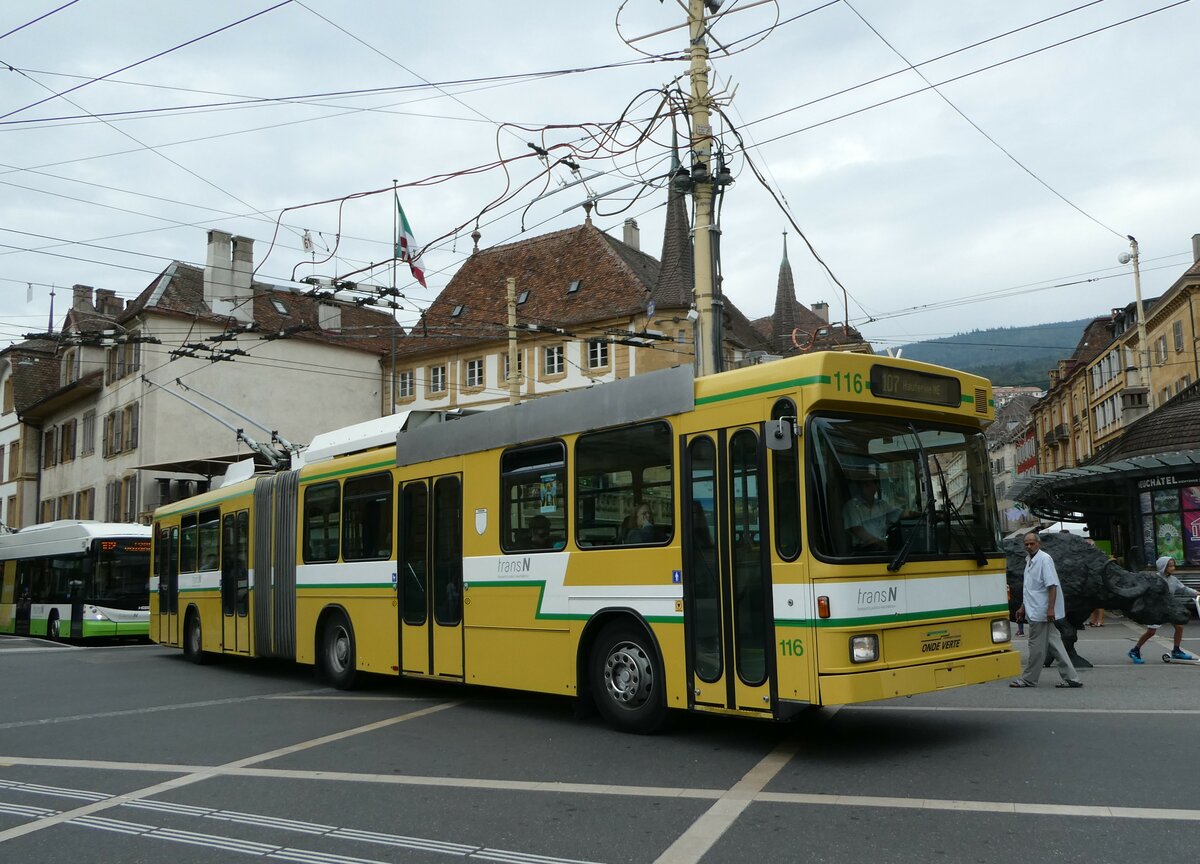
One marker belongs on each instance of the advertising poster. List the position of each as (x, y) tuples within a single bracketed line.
[(1148, 538), (1166, 500), (1189, 497), (1168, 535), (1145, 501)]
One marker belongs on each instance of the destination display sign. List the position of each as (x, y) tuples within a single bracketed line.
[(888, 382), (127, 547)]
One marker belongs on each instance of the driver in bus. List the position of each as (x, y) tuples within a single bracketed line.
[(867, 517)]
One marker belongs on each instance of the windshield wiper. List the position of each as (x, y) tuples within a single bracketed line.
[(980, 556), (951, 510), (902, 555)]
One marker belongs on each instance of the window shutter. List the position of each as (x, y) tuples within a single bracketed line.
[(133, 425)]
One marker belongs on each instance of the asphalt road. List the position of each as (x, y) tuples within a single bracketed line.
[(129, 754)]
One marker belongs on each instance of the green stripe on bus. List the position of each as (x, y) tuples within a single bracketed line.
[(907, 617), (386, 463), (765, 388)]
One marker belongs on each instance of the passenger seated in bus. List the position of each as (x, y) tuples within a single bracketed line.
[(644, 530), (866, 517), (539, 533)]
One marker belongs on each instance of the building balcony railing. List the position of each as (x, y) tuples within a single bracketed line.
[(1061, 432)]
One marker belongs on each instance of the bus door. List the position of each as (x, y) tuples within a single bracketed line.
[(727, 572), (429, 577), (235, 573), (168, 587), (23, 598)]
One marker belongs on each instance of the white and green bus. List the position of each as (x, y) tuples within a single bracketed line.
[(75, 579)]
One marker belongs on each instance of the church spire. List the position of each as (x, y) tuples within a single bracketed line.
[(783, 321)]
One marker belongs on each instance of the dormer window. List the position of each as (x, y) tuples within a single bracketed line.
[(458, 310), (522, 297), (574, 286), (279, 307)]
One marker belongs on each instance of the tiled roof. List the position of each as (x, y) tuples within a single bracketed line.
[(614, 280), (35, 371), (183, 294), (1097, 336)]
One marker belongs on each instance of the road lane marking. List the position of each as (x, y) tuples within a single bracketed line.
[(700, 836), (207, 773), (151, 709), (421, 844)]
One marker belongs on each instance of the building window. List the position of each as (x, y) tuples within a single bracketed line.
[(1160, 350), (1177, 332), (47, 511), (50, 447), (14, 460), (66, 441), (66, 504), (404, 385), (85, 506), (14, 518), (474, 376), (71, 366), (437, 379), (121, 430), (8, 395), (597, 355), (2, 477), (553, 360), (87, 444)]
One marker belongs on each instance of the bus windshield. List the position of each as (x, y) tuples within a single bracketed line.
[(879, 486), (122, 574)]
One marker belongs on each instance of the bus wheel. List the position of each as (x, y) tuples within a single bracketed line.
[(193, 643), (52, 627), (337, 654), (627, 679)]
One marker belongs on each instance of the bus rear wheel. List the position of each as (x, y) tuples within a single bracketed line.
[(193, 641), (627, 679), (337, 652)]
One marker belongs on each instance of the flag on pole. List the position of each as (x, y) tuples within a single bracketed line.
[(406, 246)]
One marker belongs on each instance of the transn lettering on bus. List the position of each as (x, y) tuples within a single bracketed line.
[(881, 595), (512, 565)]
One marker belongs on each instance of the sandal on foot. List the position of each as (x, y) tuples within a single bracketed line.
[(1066, 685), (1020, 683)]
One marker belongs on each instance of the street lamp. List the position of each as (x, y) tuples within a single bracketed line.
[(1143, 346)]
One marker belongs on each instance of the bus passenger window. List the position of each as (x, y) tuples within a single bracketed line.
[(367, 518), (322, 523), (210, 539), (623, 487), (187, 544), (533, 483)]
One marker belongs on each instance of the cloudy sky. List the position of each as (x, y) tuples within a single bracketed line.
[(1000, 195)]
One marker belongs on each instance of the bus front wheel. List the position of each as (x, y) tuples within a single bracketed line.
[(337, 653), (627, 679), (193, 642)]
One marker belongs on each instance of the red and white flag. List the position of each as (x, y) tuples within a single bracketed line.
[(406, 245)]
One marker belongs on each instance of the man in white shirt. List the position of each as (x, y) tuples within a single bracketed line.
[(867, 517), (1043, 605)]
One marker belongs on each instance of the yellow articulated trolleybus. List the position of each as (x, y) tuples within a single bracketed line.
[(817, 530)]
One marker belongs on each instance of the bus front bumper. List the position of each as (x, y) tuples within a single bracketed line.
[(868, 686)]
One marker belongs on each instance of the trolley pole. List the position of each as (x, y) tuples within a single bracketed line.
[(708, 348), (514, 379)]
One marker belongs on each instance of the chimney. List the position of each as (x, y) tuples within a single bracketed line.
[(821, 308), (81, 297), (107, 302), (632, 236), (227, 271), (1196, 248)]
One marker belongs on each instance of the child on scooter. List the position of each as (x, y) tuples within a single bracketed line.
[(1166, 569)]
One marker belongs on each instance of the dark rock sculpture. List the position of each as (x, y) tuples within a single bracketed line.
[(1091, 580)]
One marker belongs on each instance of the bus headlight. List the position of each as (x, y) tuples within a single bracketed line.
[(1001, 631), (864, 649)]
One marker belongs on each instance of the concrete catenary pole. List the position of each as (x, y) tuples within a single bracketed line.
[(708, 353), (514, 377)]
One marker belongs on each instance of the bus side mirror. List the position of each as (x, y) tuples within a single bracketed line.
[(780, 434)]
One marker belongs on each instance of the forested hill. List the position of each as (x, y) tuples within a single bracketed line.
[(1009, 356)]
